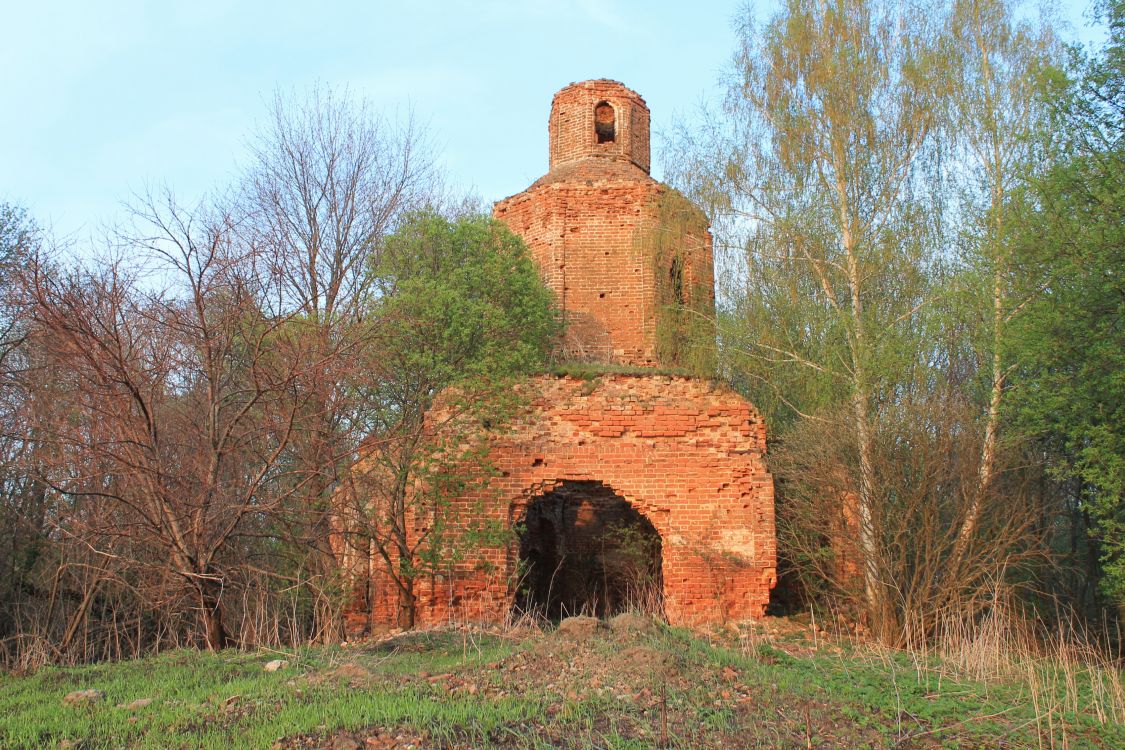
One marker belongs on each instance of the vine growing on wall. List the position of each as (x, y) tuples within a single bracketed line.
[(683, 292)]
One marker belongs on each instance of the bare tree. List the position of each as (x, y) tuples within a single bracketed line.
[(197, 401), (21, 498), (329, 180), (179, 404)]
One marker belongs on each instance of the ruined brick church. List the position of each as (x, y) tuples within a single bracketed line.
[(632, 475)]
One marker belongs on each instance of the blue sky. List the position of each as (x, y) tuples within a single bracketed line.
[(99, 99)]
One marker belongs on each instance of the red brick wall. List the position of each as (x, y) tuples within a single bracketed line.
[(687, 454), (584, 236), (572, 130), (587, 225)]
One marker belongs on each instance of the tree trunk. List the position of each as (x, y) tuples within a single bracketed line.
[(878, 606), (407, 604), (79, 617), (987, 456), (880, 615), (994, 166), (211, 609)]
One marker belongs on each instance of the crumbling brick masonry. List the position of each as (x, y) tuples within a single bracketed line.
[(677, 461)]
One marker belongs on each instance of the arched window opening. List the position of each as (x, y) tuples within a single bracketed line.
[(605, 122), (585, 550)]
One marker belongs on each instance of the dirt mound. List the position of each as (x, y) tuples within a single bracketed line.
[(642, 659), (631, 623), (580, 628)]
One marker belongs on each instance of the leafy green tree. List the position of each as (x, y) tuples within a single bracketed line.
[(1071, 337), (460, 315)]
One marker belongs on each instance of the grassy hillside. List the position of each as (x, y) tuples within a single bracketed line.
[(635, 685)]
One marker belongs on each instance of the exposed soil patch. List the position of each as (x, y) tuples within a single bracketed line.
[(371, 739)]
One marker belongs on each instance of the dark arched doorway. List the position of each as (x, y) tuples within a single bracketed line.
[(583, 549)]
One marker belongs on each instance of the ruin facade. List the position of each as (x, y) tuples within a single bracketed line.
[(634, 485)]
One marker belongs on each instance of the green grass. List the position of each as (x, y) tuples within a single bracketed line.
[(481, 690), (189, 690)]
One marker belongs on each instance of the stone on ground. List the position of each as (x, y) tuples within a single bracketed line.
[(84, 697), (135, 705)]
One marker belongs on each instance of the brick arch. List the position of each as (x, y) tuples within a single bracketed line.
[(685, 454), (605, 113), (519, 504)]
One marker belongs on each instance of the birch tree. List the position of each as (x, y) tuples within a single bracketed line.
[(831, 110), (996, 109)]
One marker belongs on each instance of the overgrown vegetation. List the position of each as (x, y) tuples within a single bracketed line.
[(683, 286), (184, 409), (917, 214), (771, 685), (594, 370)]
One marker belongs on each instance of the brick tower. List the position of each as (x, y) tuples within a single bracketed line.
[(672, 465), (591, 223)]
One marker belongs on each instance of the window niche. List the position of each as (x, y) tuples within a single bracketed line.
[(605, 122)]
